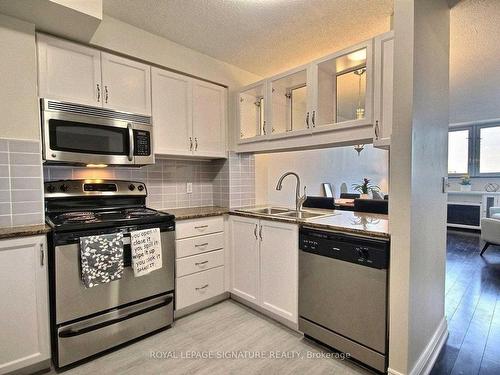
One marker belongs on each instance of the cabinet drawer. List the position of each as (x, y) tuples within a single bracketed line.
[(201, 262), (198, 227), (198, 287), (198, 245)]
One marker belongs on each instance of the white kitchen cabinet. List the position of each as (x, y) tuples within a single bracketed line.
[(200, 262), (383, 90), (290, 112), (172, 113), (189, 116), (342, 83), (265, 265), (82, 75), (279, 268), (245, 258), (326, 102), (252, 112), (68, 71), (24, 316), (209, 119), (126, 84)]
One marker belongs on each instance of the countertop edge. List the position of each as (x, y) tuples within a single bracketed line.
[(196, 212), (23, 231), (361, 232)]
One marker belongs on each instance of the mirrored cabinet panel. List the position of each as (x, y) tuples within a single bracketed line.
[(342, 88), (252, 112), (289, 102)]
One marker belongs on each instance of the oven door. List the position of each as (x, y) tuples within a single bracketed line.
[(80, 139), (73, 301)]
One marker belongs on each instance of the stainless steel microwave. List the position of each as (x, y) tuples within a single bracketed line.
[(83, 135)]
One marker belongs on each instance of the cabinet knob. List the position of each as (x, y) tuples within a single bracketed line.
[(196, 144), (377, 130), (106, 94), (313, 119), (190, 144), (98, 93), (307, 120)]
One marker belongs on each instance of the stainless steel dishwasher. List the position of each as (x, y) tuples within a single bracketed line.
[(343, 293)]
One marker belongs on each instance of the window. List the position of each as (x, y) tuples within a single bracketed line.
[(489, 150), (474, 150), (458, 152)]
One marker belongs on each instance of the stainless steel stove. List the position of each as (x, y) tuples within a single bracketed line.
[(89, 321)]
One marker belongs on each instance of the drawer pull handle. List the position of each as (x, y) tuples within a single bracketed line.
[(201, 263), (202, 287), (201, 244), (201, 227)]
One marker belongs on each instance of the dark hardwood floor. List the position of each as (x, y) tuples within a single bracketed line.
[(472, 308)]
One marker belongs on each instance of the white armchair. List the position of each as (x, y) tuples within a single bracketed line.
[(490, 229)]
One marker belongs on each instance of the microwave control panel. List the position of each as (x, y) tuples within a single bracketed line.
[(142, 143)]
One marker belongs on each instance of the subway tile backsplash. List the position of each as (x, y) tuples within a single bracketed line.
[(21, 189), (167, 180)]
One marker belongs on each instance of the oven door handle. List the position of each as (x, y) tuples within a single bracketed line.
[(130, 141), (77, 332)]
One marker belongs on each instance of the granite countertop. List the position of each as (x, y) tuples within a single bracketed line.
[(196, 212), (361, 223), (23, 231)]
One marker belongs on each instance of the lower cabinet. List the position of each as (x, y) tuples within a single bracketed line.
[(265, 264), (24, 316), (199, 261)]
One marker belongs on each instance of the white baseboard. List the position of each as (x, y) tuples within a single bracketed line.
[(428, 358)]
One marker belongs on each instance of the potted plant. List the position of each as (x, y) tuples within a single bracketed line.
[(365, 188), (465, 183)]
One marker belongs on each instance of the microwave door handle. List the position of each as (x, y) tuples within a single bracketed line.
[(131, 142)]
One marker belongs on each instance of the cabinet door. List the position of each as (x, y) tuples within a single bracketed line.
[(252, 112), (126, 84), (245, 258), (289, 103), (172, 113), (343, 89), (24, 316), (383, 92), (209, 119), (68, 71), (279, 268)]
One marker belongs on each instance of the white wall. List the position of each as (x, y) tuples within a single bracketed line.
[(18, 100), (474, 55), (334, 165), (417, 206)]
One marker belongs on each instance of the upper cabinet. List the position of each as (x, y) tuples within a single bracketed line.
[(126, 84), (209, 119), (82, 75), (68, 71), (251, 109), (189, 116), (342, 98), (290, 102), (172, 113), (343, 87), (383, 93)]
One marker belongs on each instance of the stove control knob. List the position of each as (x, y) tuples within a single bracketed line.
[(51, 188), (140, 187), (63, 187), (362, 253), (131, 187)]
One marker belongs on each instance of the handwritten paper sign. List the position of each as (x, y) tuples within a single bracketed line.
[(146, 251)]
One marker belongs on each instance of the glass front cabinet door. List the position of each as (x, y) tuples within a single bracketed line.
[(252, 112), (290, 102), (343, 88)]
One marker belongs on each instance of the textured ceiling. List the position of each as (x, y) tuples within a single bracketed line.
[(260, 36)]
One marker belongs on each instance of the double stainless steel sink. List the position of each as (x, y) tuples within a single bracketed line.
[(285, 212)]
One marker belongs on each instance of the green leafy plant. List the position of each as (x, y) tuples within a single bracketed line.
[(465, 180), (365, 187)]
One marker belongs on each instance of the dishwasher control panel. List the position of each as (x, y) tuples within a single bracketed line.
[(369, 252)]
